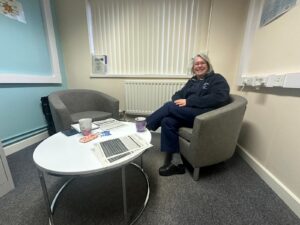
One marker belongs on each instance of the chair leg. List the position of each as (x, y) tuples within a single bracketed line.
[(196, 173)]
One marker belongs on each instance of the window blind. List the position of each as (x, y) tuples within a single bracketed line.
[(143, 37)]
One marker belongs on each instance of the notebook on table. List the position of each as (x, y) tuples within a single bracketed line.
[(108, 124)]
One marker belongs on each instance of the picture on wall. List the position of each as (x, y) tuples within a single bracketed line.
[(12, 9), (28, 51), (274, 8)]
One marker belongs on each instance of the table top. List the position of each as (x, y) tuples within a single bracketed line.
[(65, 155)]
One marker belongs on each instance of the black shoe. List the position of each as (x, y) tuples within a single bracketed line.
[(171, 169)]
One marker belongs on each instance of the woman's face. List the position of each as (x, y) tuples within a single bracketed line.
[(200, 66)]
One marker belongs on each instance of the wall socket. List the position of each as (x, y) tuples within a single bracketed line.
[(287, 80), (276, 81), (254, 81), (262, 81), (247, 81)]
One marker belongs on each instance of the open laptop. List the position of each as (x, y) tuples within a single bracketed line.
[(117, 148)]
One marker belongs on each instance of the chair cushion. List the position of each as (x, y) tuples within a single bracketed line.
[(95, 115), (186, 133)]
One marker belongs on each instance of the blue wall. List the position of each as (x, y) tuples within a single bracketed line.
[(21, 114), (24, 44)]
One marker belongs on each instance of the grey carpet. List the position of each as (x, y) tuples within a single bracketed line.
[(227, 193)]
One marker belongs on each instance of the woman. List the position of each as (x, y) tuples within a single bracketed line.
[(205, 91)]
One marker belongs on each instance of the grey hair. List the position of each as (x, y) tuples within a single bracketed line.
[(206, 59)]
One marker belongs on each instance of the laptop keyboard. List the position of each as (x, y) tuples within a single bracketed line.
[(113, 147), (118, 157)]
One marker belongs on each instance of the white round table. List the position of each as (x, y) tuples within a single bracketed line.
[(65, 156)]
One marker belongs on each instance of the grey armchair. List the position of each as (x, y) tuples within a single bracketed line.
[(68, 106), (214, 136)]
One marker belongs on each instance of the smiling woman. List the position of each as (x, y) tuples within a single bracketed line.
[(201, 65), (205, 91)]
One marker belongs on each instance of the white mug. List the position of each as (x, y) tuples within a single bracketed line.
[(85, 126)]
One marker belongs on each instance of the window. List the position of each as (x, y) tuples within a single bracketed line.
[(148, 37)]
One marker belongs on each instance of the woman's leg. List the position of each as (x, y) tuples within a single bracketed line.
[(168, 158), (184, 114), (170, 117), (170, 145), (169, 135), (154, 120)]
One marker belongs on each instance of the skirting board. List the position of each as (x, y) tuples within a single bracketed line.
[(274, 183), (25, 143)]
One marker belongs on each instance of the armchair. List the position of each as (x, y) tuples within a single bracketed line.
[(214, 135), (68, 106)]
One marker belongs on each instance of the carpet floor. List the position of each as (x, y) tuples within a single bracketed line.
[(229, 193)]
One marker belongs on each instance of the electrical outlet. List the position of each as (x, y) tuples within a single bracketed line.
[(247, 81), (256, 82), (260, 81), (276, 80)]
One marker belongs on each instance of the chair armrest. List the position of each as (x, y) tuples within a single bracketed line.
[(215, 134), (60, 114)]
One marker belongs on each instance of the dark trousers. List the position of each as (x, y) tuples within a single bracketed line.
[(170, 118)]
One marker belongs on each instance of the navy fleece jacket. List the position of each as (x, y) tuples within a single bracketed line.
[(210, 92)]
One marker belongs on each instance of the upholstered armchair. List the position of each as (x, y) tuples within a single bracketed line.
[(214, 136), (68, 106)]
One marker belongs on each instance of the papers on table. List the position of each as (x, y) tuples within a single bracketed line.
[(118, 148), (108, 124)]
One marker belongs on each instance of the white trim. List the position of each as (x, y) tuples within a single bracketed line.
[(277, 186), (209, 26), (55, 77), (254, 12), (25, 143), (90, 28)]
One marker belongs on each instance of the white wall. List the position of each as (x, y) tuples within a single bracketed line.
[(226, 34), (275, 46), (270, 135)]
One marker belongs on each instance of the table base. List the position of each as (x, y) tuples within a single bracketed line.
[(51, 206)]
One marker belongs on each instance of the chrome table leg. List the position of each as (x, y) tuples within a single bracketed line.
[(147, 195), (46, 196), (124, 194)]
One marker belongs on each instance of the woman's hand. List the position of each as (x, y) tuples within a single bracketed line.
[(180, 102)]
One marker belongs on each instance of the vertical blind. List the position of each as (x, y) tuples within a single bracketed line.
[(148, 37)]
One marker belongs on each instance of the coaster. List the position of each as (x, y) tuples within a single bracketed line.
[(88, 138)]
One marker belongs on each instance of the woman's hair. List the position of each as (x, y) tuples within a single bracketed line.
[(206, 59)]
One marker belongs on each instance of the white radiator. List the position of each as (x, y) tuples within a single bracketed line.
[(145, 96)]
